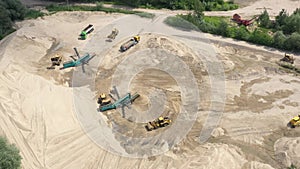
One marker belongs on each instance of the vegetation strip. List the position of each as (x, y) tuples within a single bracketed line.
[(282, 33)]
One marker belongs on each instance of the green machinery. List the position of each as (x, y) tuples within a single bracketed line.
[(127, 99), (83, 35), (80, 61)]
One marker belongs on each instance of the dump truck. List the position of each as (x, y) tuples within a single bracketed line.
[(158, 123), (89, 29), (288, 58), (55, 61), (295, 121), (103, 100), (133, 41), (113, 34)]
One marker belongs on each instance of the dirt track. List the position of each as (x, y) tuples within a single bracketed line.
[(58, 126)]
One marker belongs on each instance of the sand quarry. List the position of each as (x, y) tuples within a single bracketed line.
[(240, 98)]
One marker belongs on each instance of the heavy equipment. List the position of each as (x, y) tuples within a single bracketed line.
[(55, 61), (158, 123), (127, 99), (295, 121), (288, 58), (81, 61), (238, 19), (89, 29), (113, 34), (133, 41), (103, 99)]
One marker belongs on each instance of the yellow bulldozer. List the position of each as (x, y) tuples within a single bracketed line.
[(103, 99), (288, 58), (295, 121), (158, 123)]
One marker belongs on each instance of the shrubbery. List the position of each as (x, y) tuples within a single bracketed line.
[(283, 33), (209, 5), (10, 11), (9, 155)]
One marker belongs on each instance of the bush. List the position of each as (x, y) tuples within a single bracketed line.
[(279, 39), (264, 20), (261, 37), (293, 42), (242, 33), (9, 155), (98, 7), (178, 22), (221, 29), (32, 14), (292, 24)]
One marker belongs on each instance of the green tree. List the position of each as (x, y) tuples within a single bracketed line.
[(9, 155), (222, 28), (5, 22), (279, 39), (292, 24), (264, 19), (14, 8), (198, 9), (261, 37), (242, 33), (293, 42), (281, 18)]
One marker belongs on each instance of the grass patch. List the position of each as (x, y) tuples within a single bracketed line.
[(98, 7), (33, 14), (226, 6), (180, 23), (215, 20), (145, 15)]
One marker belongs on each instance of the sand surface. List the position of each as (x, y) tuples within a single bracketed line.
[(236, 97)]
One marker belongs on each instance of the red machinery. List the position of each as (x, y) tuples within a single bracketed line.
[(238, 19)]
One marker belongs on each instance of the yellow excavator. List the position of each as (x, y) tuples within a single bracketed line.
[(103, 99), (158, 123), (55, 61), (295, 121)]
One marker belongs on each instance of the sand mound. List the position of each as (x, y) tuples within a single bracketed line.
[(287, 150), (38, 113)]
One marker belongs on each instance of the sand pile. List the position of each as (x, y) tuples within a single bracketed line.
[(39, 116), (287, 149)]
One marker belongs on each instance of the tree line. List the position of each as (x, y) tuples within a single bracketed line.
[(208, 5), (281, 33), (10, 11)]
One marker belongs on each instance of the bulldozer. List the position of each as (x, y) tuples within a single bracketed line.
[(103, 99), (113, 34), (295, 121), (56, 60), (288, 58), (158, 123)]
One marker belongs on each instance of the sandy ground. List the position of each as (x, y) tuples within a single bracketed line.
[(52, 117)]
